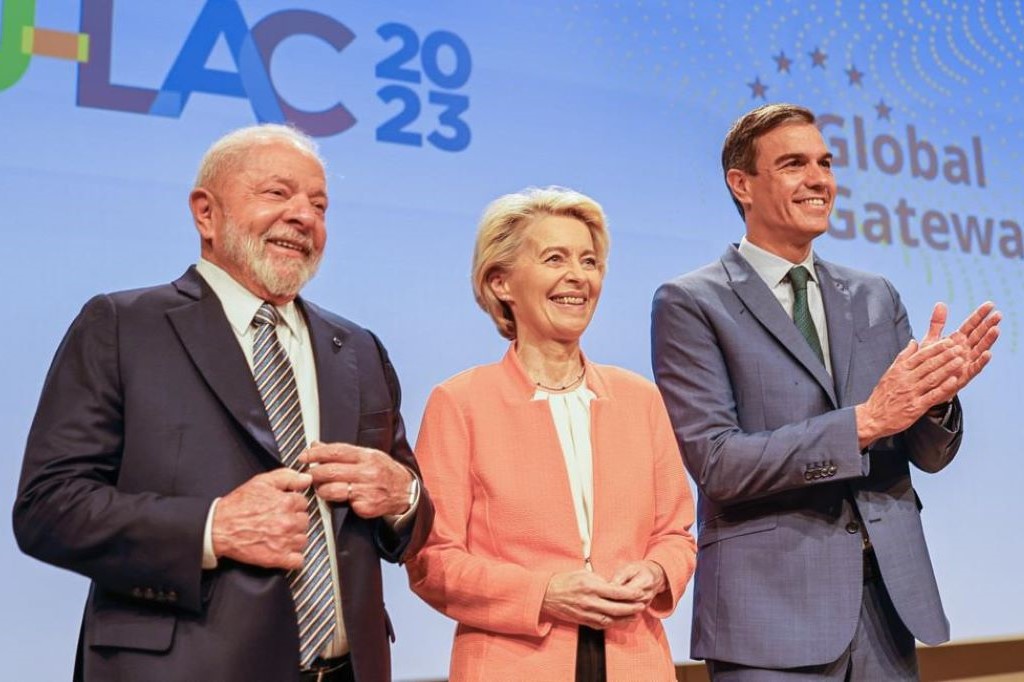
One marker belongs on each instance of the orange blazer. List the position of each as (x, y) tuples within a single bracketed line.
[(505, 521)]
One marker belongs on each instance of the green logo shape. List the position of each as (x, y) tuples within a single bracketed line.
[(18, 15)]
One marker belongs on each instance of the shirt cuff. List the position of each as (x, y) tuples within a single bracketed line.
[(209, 558), (399, 521)]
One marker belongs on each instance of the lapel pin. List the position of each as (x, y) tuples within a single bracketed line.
[(337, 341)]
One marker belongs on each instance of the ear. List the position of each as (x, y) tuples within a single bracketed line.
[(203, 207), (499, 287), (739, 184)]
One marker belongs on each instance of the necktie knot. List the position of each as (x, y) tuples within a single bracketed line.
[(267, 314), (798, 276)]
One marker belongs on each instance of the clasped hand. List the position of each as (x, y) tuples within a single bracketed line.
[(586, 598), (928, 373), (263, 522)]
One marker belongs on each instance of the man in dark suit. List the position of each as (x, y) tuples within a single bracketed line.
[(160, 469), (800, 400)]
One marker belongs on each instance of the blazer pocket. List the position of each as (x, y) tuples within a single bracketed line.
[(127, 628), (876, 330), (375, 430), (721, 528), (375, 420)]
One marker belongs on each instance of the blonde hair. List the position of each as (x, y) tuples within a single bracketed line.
[(500, 235), (228, 152)]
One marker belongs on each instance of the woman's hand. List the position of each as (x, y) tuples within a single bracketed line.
[(646, 576), (585, 598)]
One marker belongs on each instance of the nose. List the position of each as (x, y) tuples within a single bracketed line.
[(301, 212), (574, 273), (817, 175)]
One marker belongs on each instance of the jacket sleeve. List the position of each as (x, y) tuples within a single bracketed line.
[(70, 511), (474, 590), (728, 464), (396, 544), (671, 545), (930, 443)]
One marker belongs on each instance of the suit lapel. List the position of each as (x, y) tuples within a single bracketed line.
[(763, 305), (205, 333), (835, 295), (337, 382), (337, 377)]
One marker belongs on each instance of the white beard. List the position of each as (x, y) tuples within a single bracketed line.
[(249, 251)]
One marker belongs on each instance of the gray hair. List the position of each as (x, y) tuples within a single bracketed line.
[(226, 153)]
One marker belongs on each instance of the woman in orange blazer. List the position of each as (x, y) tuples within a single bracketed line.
[(561, 537)]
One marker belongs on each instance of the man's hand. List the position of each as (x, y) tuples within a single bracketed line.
[(647, 576), (370, 481), (975, 337), (919, 377), (263, 522), (585, 598)]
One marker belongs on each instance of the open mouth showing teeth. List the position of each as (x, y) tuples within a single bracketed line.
[(289, 245), (812, 202), (569, 300)]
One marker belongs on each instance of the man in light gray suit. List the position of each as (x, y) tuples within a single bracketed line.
[(800, 399)]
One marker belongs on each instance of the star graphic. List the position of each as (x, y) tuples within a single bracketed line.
[(757, 89), (783, 62), (817, 57), (883, 110), (856, 77)]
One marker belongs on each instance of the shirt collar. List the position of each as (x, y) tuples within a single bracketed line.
[(771, 268), (240, 304)]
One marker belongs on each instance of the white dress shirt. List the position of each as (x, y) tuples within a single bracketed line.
[(240, 306), (774, 270), (571, 414)]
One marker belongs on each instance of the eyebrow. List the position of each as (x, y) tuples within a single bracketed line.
[(827, 156), (566, 249), (292, 184)]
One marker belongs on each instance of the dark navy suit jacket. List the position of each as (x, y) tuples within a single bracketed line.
[(148, 413), (771, 441)]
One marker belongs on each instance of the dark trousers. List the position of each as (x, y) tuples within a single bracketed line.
[(590, 656)]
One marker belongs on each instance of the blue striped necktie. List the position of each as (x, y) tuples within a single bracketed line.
[(311, 586)]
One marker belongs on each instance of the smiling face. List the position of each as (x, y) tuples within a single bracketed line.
[(788, 201), (555, 283), (262, 219)]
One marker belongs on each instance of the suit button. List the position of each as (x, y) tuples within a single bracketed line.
[(832, 470), (149, 593), (137, 592), (852, 527), (172, 596), (807, 475)]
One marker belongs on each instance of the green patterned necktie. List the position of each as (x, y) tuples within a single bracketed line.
[(798, 277)]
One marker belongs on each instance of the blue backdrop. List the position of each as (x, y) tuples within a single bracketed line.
[(427, 111)]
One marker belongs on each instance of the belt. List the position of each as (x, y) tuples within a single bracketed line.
[(871, 571), (328, 670)]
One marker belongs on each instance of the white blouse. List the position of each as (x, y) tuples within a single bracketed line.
[(571, 414)]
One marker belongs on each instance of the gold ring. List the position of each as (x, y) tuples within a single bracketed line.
[(350, 488)]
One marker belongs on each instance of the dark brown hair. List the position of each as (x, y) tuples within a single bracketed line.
[(740, 147)]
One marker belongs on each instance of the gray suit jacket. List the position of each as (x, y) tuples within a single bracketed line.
[(148, 413), (770, 440)]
